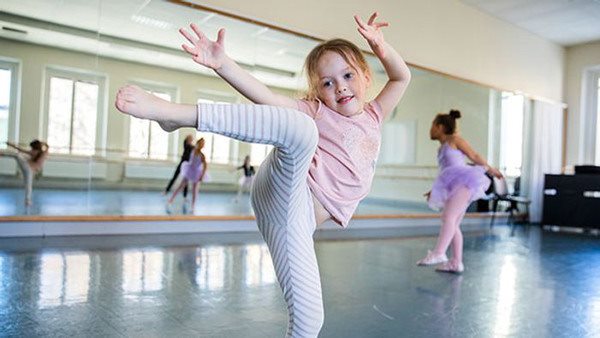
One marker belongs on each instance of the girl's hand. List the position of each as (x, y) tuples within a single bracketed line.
[(204, 51), (371, 31), (495, 172), (427, 195)]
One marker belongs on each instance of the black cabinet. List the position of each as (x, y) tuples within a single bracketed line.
[(572, 200)]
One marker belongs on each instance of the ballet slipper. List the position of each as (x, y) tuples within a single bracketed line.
[(432, 259)]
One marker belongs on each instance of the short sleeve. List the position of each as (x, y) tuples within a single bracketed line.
[(310, 108), (374, 109)]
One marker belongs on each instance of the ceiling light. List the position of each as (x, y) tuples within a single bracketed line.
[(144, 20)]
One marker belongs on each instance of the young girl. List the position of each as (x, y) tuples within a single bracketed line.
[(193, 170), (325, 148), (30, 162), (188, 146), (245, 182), (457, 185)]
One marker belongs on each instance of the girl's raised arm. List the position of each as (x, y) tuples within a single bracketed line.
[(395, 67), (212, 54)]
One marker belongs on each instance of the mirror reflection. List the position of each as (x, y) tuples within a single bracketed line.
[(61, 63)]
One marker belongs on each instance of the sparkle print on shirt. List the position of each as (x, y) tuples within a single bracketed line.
[(362, 149)]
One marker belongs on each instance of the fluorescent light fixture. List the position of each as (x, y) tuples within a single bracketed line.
[(144, 20)]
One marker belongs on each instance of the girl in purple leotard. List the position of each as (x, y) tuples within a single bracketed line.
[(194, 171), (457, 185)]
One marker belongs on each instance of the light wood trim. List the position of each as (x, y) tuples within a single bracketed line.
[(243, 18), (160, 218), (401, 177), (122, 218)]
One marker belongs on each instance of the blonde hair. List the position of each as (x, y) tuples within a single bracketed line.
[(346, 49)]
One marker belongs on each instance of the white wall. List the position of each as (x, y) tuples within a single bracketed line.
[(579, 60), (444, 35)]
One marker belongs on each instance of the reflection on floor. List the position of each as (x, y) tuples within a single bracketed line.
[(52, 202), (535, 284)]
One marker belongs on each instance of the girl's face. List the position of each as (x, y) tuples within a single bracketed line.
[(436, 131), (340, 86)]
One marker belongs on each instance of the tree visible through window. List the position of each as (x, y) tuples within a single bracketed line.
[(258, 152), (5, 95), (146, 138), (72, 115), (217, 148)]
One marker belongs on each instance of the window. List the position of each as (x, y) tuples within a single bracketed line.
[(217, 148), (5, 94), (258, 153), (597, 92), (511, 134), (146, 138), (9, 99), (73, 111)]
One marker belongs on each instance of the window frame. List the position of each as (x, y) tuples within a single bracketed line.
[(502, 150), (14, 102), (76, 74), (227, 98), (173, 137)]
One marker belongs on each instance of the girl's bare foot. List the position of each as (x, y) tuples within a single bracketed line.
[(135, 101)]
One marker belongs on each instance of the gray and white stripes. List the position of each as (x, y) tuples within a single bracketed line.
[(28, 173), (281, 199)]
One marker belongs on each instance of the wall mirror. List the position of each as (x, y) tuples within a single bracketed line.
[(61, 63)]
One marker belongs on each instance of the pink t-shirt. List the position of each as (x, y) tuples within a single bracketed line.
[(343, 166)]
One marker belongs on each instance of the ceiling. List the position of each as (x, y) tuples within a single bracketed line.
[(565, 22)]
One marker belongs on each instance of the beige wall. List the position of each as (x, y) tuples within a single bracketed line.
[(579, 59), (36, 58), (427, 95), (444, 35)]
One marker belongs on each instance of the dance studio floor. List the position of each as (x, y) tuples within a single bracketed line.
[(535, 284), (54, 202)]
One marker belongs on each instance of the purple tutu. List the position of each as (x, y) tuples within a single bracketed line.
[(246, 181), (192, 169), (455, 174)]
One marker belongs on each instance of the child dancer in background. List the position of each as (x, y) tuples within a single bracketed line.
[(325, 148), (30, 162), (194, 171), (188, 146), (456, 186), (245, 182)]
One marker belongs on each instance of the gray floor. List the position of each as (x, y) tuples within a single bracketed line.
[(532, 284), (54, 202)]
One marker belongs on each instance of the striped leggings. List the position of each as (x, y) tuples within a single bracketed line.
[(281, 199), (25, 169)]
